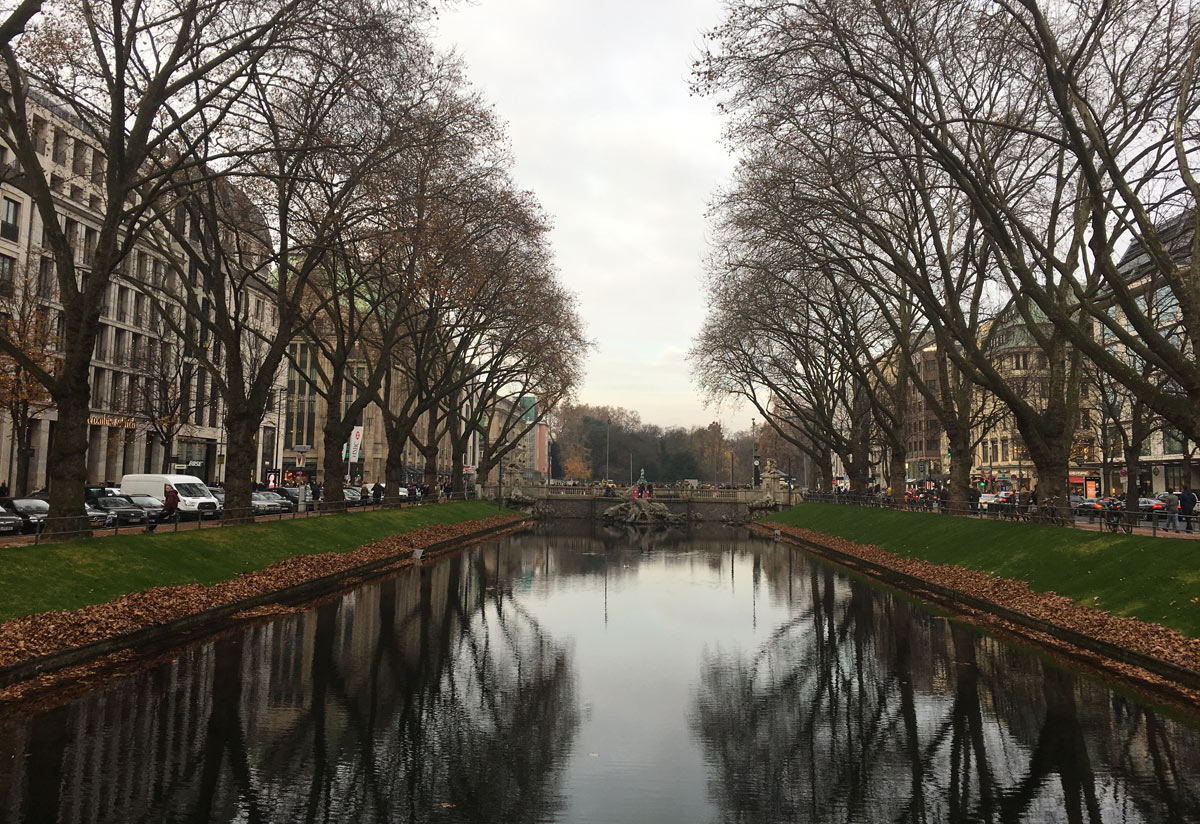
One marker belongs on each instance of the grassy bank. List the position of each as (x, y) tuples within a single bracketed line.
[(70, 575), (1154, 579)]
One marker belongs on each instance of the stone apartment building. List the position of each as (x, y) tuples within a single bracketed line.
[(121, 437)]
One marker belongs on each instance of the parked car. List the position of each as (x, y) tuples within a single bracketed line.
[(152, 505), (1151, 506), (986, 500), (10, 523), (353, 496), (195, 501), (299, 496), (265, 504), (283, 500), (1161, 498), (122, 506), (31, 511), (99, 518), (1091, 507)]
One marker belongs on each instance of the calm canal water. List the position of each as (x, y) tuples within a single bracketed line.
[(597, 677)]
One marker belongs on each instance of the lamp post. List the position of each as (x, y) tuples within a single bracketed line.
[(756, 477), (607, 432)]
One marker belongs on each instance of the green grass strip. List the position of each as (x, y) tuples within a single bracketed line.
[(1154, 579), (96, 570)]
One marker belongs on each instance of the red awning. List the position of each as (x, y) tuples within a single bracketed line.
[(1075, 479)]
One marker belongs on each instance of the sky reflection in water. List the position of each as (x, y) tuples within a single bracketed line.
[(584, 676)]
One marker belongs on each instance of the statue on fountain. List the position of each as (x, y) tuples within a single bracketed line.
[(640, 509)]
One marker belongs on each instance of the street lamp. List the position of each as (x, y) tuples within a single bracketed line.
[(607, 431)]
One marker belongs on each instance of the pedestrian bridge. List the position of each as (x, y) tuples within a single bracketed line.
[(588, 503)]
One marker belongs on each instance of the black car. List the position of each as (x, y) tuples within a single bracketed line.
[(31, 511), (152, 505), (128, 513), (293, 493), (10, 524), (99, 518)]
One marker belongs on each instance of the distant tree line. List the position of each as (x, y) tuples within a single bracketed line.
[(590, 439)]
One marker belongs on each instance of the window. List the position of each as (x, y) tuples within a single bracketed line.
[(47, 278), (10, 228), (97, 386), (8, 271), (60, 146), (97, 167), (1004, 450), (90, 238)]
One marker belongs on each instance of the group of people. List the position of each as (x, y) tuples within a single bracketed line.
[(1183, 504)]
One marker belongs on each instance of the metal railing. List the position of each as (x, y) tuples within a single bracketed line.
[(1054, 513)]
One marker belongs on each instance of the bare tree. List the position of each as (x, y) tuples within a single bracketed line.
[(25, 317), (160, 390), (313, 129), (835, 87), (128, 81)]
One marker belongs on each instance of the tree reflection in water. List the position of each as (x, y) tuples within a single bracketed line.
[(434, 688), (863, 708)]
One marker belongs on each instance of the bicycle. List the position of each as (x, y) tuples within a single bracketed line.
[(1049, 513)]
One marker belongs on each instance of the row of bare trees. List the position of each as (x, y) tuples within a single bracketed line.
[(962, 175), (305, 172)]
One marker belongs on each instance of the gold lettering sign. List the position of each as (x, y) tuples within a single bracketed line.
[(112, 420)]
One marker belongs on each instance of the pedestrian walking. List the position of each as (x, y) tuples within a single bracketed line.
[(377, 492), (1171, 505), (1187, 506), (4, 489), (364, 494), (170, 508)]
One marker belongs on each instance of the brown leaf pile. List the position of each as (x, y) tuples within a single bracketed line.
[(37, 635), (1151, 639)]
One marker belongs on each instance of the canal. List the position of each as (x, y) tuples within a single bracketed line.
[(578, 675)]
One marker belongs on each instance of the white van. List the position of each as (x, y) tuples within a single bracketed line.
[(194, 498)]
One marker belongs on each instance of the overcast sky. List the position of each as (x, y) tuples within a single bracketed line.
[(604, 130)]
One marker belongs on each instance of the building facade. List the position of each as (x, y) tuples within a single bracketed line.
[(134, 345)]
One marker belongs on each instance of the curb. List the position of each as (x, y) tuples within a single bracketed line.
[(1183, 676), (177, 631)]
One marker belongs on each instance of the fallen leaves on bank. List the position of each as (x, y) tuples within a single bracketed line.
[(36, 635), (1133, 634)]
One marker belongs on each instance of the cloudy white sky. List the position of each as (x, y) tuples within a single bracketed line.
[(595, 94)]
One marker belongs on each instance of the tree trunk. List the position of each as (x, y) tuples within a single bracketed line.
[(334, 434), (393, 468), (430, 451), (825, 469), (1051, 455), (24, 454), (960, 468), (168, 446), (68, 461), (429, 478), (240, 428), (897, 471), (457, 477)]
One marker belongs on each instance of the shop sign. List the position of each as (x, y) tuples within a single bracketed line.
[(119, 421)]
